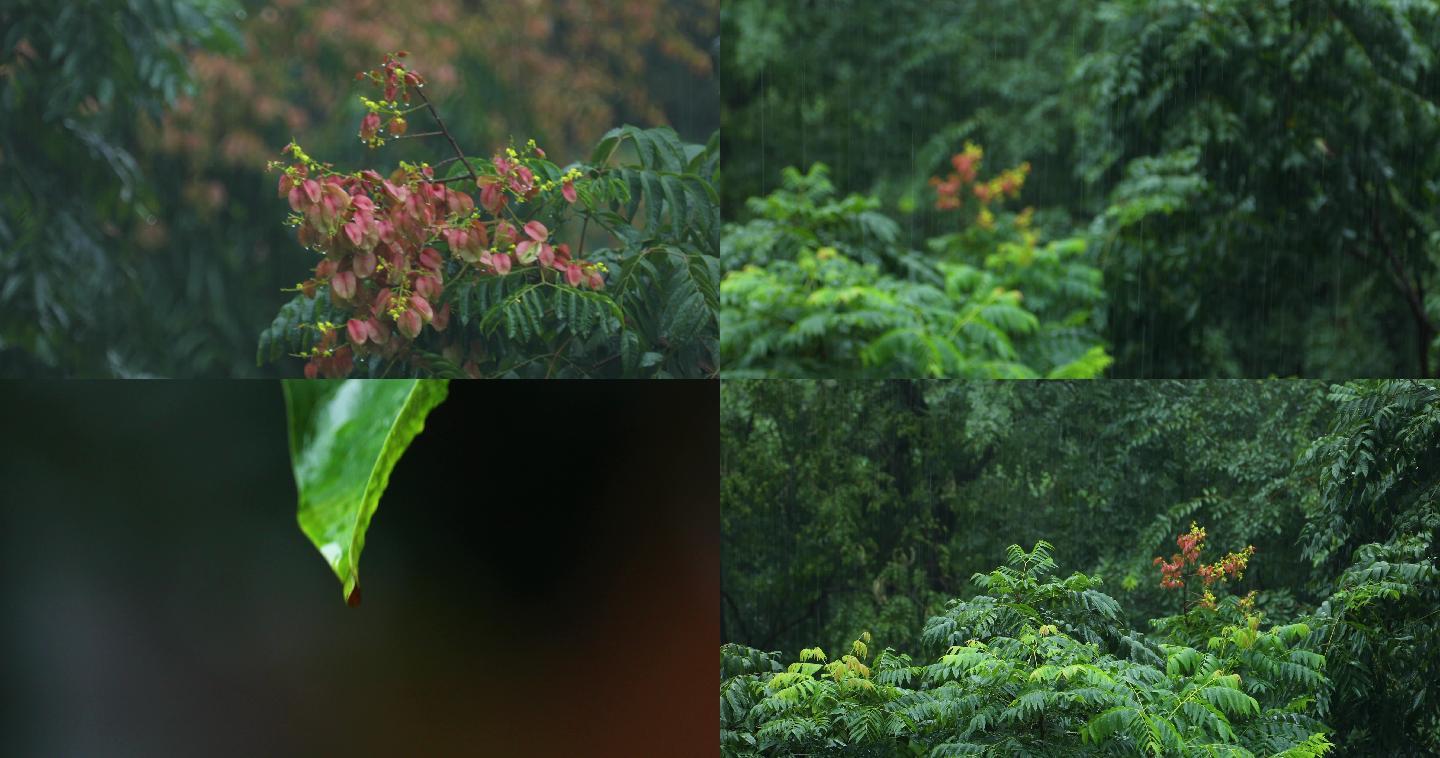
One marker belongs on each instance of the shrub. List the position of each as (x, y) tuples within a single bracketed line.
[(819, 285), (405, 253), (1036, 665)]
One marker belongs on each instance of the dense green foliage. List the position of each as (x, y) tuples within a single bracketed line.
[(1257, 180), (1376, 530), (883, 93), (870, 502), (868, 505), (821, 286), (1309, 136), (1037, 665)]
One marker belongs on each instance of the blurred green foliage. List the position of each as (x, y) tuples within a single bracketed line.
[(146, 242), (850, 506), (75, 81), (1258, 179), (884, 92)]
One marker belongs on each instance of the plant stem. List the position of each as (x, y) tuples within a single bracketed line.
[(448, 136), (584, 227), (550, 370)]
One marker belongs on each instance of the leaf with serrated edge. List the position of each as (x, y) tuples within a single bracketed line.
[(345, 438)]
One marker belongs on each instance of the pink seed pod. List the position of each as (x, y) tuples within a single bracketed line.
[(429, 286), (343, 285), (525, 251), (430, 259), (369, 126), (505, 234), (491, 197), (363, 264), (358, 330), (501, 262), (379, 331), (457, 239), (422, 306), (409, 323)]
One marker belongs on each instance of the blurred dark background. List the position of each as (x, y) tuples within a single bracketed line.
[(540, 577)]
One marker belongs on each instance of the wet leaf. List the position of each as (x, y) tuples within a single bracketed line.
[(345, 437)]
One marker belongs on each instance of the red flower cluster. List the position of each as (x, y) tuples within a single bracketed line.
[(1232, 566), (1172, 572), (1190, 544), (950, 191), (378, 235), (396, 81)]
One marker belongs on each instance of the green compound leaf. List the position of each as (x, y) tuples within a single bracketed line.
[(345, 437)]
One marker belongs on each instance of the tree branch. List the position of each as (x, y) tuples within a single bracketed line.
[(749, 636), (448, 136), (1410, 289)]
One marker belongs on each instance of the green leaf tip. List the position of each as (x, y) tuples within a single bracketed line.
[(345, 438)]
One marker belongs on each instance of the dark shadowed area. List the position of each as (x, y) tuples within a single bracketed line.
[(540, 577)]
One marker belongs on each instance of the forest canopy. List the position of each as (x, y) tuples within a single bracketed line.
[(1255, 183), (1302, 517)]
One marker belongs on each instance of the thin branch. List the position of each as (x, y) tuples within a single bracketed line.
[(550, 370), (1410, 289), (448, 136), (584, 227), (418, 135), (447, 181), (739, 617)]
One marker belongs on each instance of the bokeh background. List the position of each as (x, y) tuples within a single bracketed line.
[(139, 231), (540, 578)]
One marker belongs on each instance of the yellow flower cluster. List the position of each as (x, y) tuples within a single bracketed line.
[(569, 176)]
